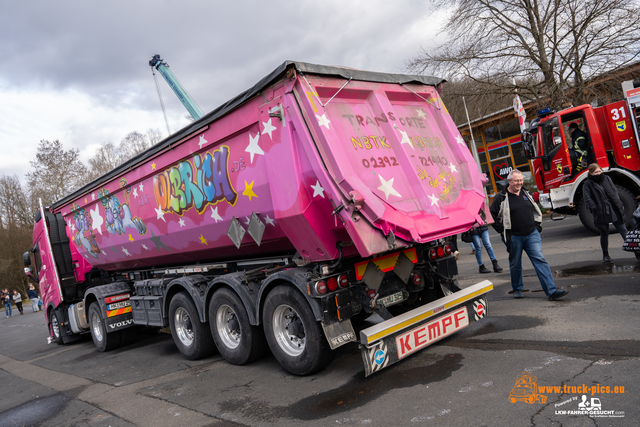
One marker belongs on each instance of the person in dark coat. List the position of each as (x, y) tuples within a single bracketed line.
[(602, 199)]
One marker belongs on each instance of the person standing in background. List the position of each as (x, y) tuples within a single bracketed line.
[(33, 296), (480, 237), (6, 299), (17, 299), (602, 199)]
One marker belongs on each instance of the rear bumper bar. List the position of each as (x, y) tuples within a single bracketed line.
[(390, 341)]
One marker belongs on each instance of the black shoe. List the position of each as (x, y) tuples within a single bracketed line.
[(558, 294), (496, 267), (483, 269), (607, 259)]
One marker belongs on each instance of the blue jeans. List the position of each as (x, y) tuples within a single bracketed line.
[(532, 245), (478, 241), (7, 309)]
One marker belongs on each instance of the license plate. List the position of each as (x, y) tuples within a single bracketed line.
[(390, 299), (117, 305)]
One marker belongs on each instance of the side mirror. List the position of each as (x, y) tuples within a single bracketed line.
[(527, 149), (557, 140), (26, 259)]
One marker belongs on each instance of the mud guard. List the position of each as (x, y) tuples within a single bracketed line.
[(390, 341)]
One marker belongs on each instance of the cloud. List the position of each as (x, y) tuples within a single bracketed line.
[(78, 71)]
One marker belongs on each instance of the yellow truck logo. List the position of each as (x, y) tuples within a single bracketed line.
[(526, 390)]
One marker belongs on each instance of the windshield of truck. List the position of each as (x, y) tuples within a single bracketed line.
[(551, 133)]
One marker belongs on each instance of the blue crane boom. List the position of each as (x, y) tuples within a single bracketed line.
[(163, 68)]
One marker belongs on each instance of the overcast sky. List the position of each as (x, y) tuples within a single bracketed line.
[(78, 71)]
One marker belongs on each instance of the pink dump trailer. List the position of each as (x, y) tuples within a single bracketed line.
[(286, 217)]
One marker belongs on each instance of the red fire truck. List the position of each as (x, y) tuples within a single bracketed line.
[(612, 135)]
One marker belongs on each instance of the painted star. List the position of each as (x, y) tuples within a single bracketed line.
[(141, 187), (135, 192), (96, 219), (421, 113), (156, 240), (126, 252), (202, 141), (73, 227), (131, 239), (318, 190), (434, 199), (405, 139), (181, 222), (268, 128), (460, 140), (248, 220), (215, 215), (387, 187), (160, 214), (323, 120), (203, 240), (93, 196), (269, 220), (248, 191), (452, 167), (145, 247), (85, 200), (253, 146), (153, 166)]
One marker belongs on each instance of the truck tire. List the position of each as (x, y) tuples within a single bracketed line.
[(55, 326), (586, 217), (629, 202), (294, 336), (192, 337), (103, 341), (237, 340)]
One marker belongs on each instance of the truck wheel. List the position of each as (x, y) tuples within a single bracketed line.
[(627, 199), (586, 217), (294, 336), (629, 202), (102, 340), (191, 336), (55, 326), (237, 340)]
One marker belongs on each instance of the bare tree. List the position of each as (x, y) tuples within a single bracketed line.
[(55, 171), (551, 47), (16, 223), (154, 136), (110, 155)]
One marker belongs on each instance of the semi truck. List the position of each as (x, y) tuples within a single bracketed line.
[(613, 142), (315, 209)]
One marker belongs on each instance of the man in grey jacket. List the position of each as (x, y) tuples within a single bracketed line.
[(518, 219)]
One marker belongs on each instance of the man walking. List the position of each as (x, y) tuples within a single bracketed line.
[(518, 219)]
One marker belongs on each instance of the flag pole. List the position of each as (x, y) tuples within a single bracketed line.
[(474, 151)]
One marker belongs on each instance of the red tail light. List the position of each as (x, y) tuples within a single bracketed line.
[(440, 252), (332, 284), (371, 293), (343, 280), (321, 287), (447, 250), (433, 254), (417, 279)]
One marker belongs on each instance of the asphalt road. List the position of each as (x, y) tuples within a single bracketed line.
[(587, 341)]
